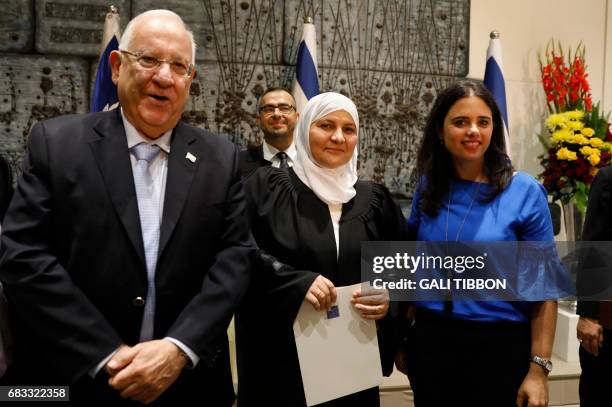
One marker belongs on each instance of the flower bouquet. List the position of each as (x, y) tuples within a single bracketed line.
[(578, 139)]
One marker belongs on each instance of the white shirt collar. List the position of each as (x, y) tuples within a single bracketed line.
[(270, 151), (134, 137)]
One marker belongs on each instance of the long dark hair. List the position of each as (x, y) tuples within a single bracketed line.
[(434, 162)]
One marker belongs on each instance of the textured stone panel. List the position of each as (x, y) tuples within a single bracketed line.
[(74, 27), (16, 25), (396, 35), (35, 88), (392, 107), (391, 57), (247, 31), (223, 98)]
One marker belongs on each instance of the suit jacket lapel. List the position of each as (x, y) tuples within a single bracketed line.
[(183, 161), (259, 156), (256, 156), (109, 146)]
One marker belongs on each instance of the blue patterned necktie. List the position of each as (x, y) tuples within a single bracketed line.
[(148, 209)]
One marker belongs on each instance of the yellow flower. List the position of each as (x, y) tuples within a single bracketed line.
[(561, 135), (578, 139), (574, 114), (594, 159), (596, 142), (588, 151), (587, 131), (575, 125), (565, 154), (556, 120), (594, 171)]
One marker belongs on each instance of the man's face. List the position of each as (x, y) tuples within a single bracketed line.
[(153, 99), (277, 126)]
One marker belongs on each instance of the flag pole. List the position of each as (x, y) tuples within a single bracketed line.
[(104, 96), (111, 25), (306, 83), (494, 81)]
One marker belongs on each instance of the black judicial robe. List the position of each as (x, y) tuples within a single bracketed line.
[(290, 223)]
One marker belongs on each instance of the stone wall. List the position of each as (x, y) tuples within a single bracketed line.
[(390, 56)]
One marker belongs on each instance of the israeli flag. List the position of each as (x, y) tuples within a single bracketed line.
[(306, 84), (104, 95), (494, 81)]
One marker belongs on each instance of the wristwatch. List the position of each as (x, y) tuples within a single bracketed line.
[(543, 363)]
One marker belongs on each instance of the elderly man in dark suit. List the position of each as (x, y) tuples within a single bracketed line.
[(277, 116), (126, 249)]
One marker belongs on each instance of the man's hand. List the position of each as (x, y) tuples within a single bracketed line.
[(534, 389), (372, 303), (321, 294), (120, 359), (146, 370), (590, 335)]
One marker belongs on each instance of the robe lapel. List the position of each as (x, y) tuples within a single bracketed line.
[(317, 231), (183, 161), (109, 147)]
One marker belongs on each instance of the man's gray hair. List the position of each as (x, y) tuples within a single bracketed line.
[(126, 37)]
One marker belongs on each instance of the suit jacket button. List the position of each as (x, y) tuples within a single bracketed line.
[(138, 302)]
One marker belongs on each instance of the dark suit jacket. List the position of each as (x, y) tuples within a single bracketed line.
[(73, 259), (594, 273), (251, 159), (6, 186)]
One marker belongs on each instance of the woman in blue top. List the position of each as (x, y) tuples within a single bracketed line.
[(475, 352)]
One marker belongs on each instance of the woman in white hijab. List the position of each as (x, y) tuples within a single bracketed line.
[(312, 217)]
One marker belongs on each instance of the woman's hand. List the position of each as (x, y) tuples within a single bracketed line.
[(372, 303), (321, 294), (534, 389)]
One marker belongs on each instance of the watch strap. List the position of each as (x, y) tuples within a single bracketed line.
[(544, 363)]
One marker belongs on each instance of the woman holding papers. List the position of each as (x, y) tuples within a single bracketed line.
[(475, 353), (313, 217)]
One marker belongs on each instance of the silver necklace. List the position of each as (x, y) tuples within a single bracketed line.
[(450, 202), (448, 302)]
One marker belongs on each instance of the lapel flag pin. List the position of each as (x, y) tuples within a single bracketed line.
[(190, 157)]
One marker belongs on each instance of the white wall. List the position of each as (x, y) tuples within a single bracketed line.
[(526, 26), (608, 62)]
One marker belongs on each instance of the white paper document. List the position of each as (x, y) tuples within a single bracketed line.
[(338, 352)]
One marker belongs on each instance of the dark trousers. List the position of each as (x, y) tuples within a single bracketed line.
[(596, 373), (189, 390), (369, 398), (458, 362)]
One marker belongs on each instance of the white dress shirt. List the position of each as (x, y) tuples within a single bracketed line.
[(335, 211), (159, 173), (269, 153)]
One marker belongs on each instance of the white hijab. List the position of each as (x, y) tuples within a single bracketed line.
[(332, 186)]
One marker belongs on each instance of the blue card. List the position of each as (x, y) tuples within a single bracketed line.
[(334, 312)]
